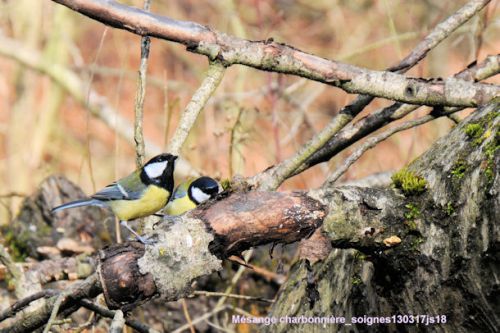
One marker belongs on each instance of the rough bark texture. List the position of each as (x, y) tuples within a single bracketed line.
[(281, 58), (254, 218), (447, 262), (189, 247)]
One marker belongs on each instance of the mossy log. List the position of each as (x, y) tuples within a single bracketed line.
[(440, 259)]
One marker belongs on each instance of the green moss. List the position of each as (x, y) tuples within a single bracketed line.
[(408, 182), (359, 256), (413, 212), (412, 225), (226, 184), (459, 169), (490, 150), (449, 210), (489, 174), (356, 280), (18, 248), (416, 242), (475, 131)]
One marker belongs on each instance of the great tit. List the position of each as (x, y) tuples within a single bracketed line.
[(191, 193), (142, 193)]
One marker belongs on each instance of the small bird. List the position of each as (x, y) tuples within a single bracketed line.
[(191, 193), (142, 193)]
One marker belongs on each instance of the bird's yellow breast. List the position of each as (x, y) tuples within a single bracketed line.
[(179, 206), (153, 199)]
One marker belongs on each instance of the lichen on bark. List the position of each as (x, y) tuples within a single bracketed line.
[(446, 261)]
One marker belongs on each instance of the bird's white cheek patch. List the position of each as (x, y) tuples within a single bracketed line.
[(156, 169), (199, 195)]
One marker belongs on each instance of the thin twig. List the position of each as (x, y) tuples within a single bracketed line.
[(140, 95), (201, 318), (273, 177), (55, 311), (167, 108), (233, 143), (372, 142), (139, 327), (21, 304), (87, 115), (220, 294), (117, 323), (235, 279), (12, 195), (211, 81), (187, 316)]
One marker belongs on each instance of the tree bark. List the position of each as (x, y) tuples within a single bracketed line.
[(427, 247), (445, 267)]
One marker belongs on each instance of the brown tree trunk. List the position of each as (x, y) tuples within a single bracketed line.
[(446, 268)]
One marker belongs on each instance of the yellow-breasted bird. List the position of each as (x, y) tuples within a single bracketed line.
[(191, 193), (142, 193)]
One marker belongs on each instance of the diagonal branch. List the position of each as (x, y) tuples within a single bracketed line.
[(86, 289), (213, 77), (273, 177), (354, 132), (277, 57), (373, 141)]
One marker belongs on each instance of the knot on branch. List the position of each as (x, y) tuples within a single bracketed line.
[(124, 286)]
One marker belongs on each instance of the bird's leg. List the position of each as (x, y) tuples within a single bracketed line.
[(137, 236)]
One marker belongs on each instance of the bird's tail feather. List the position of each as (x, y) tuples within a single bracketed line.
[(78, 203)]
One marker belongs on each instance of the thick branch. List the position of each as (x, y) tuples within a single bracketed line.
[(190, 246), (372, 220), (271, 56)]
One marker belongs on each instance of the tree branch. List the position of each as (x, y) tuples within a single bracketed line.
[(373, 141), (140, 94), (354, 132), (139, 327), (212, 79), (87, 289), (190, 246), (276, 57), (273, 177)]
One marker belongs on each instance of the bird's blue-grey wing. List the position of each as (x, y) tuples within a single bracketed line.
[(128, 188), (181, 190)]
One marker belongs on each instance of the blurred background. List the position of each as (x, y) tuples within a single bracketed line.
[(254, 120)]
